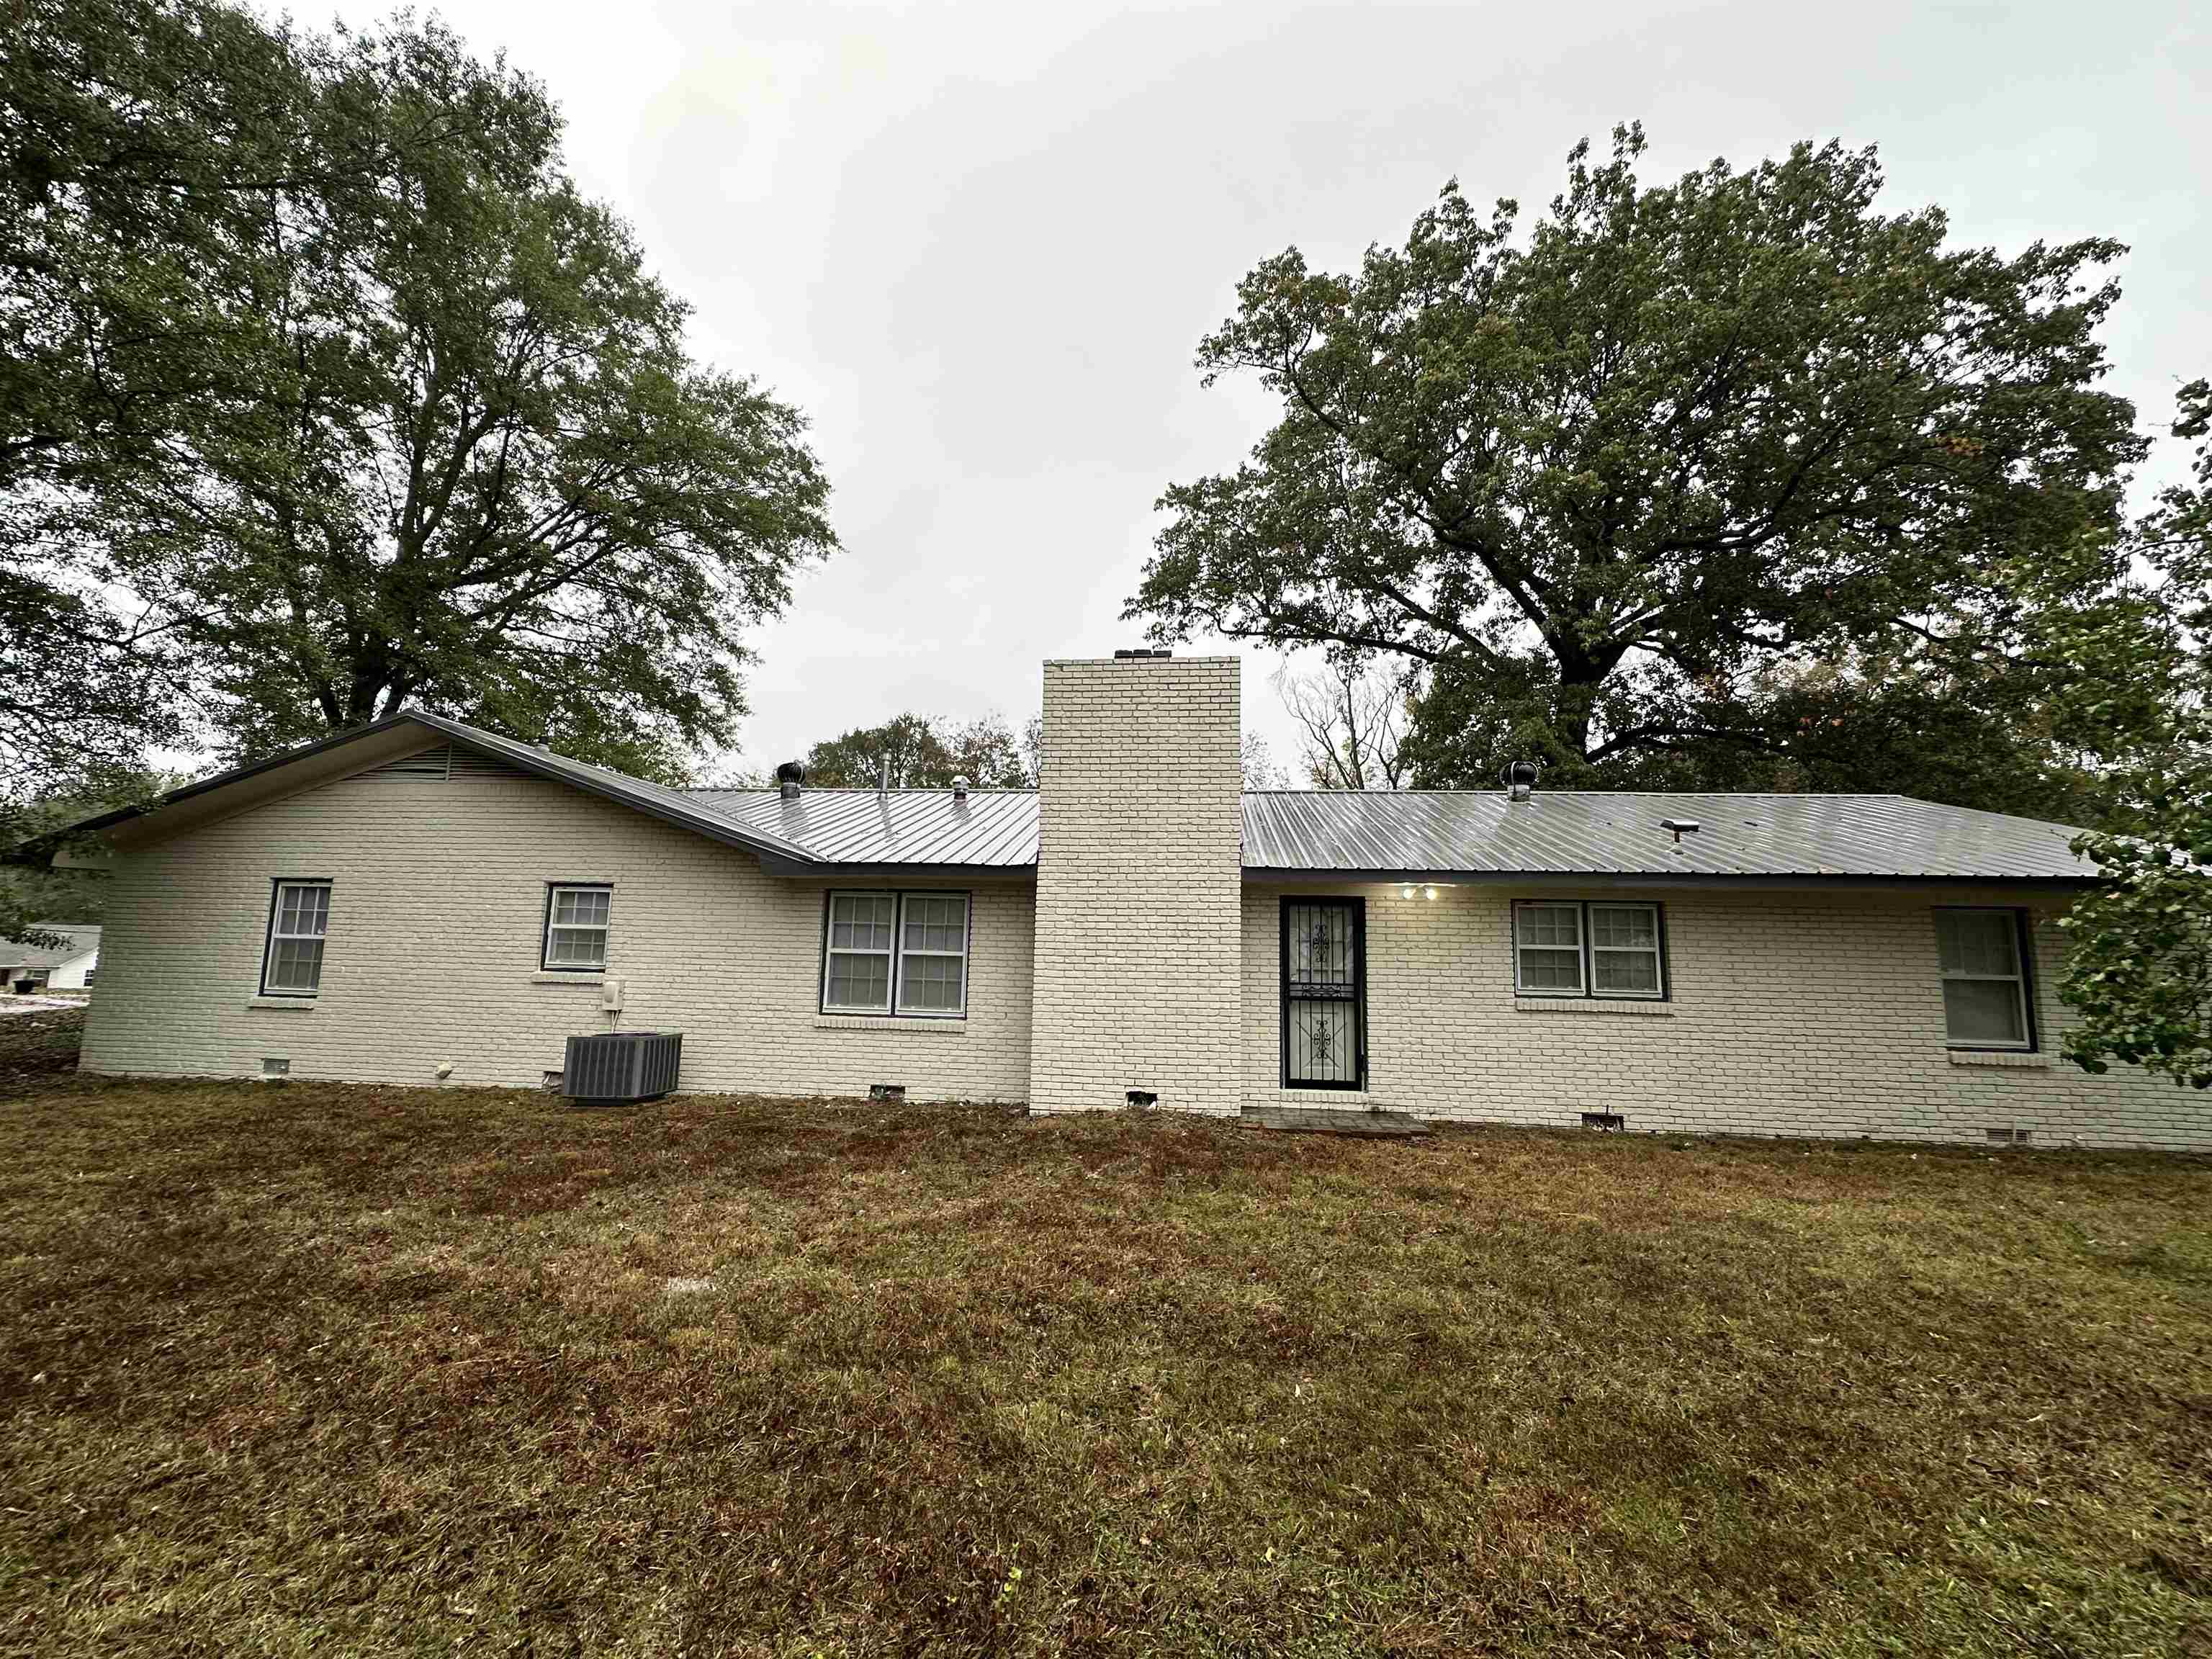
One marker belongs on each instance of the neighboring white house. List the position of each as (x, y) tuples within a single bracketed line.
[(418, 899), (69, 966)]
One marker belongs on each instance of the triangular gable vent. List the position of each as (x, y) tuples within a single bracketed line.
[(446, 762)]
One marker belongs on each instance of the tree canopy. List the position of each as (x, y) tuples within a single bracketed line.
[(923, 752), (324, 365), (1729, 482), (2139, 969)]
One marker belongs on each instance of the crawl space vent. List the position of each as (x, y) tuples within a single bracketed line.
[(273, 1067), (2009, 1137), (887, 1091), (1604, 1120)]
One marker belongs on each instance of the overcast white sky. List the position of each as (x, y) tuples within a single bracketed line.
[(977, 245)]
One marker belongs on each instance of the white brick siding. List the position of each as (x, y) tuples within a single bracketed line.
[(1792, 1014), (436, 910), (1138, 877)]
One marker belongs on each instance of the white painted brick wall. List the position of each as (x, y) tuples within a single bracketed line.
[(436, 914), (1793, 1013), (1139, 880)]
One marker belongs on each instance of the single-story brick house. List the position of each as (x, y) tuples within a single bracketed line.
[(71, 964), (419, 900)]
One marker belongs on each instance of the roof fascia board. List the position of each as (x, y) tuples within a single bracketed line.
[(531, 758), (308, 768), (1673, 880), (407, 732), (776, 864)]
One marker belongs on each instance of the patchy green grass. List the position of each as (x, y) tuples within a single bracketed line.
[(308, 1368), (38, 1047)]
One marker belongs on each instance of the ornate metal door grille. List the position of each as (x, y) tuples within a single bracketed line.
[(1324, 993)]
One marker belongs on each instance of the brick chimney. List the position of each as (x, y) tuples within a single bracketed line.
[(1140, 886)]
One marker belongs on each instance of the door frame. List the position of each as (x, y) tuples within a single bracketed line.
[(1357, 905)]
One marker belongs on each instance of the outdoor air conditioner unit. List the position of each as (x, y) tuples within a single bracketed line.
[(621, 1066)]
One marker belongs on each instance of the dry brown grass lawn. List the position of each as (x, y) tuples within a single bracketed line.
[(321, 1369)]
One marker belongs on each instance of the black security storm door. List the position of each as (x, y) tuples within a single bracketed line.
[(1324, 993)]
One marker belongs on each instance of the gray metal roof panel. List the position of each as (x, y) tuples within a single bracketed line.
[(993, 829), (1618, 832)]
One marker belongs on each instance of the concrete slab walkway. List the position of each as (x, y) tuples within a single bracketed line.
[(1330, 1120)]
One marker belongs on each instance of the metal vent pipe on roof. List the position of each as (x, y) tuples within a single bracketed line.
[(790, 776), (959, 789), (1519, 778)]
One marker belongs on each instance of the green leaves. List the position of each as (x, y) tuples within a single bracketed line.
[(422, 428), (2139, 974), (924, 753), (1630, 490)]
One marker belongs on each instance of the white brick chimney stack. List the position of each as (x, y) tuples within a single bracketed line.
[(1139, 884)]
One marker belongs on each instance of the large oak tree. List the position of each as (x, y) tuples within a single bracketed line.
[(1734, 481), (398, 416)]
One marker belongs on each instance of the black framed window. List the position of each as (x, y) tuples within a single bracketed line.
[(299, 923), (1588, 948), (1324, 1000), (578, 915), (890, 953), (1983, 957)]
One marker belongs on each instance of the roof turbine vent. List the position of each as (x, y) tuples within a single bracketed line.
[(959, 790), (789, 777), (1519, 778)]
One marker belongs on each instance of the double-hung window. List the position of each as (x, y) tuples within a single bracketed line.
[(299, 921), (896, 953), (1587, 948), (577, 917), (1985, 996)]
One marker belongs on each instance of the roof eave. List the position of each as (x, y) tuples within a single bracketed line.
[(1667, 879), (522, 755), (776, 864)]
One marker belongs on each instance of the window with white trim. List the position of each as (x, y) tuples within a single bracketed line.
[(856, 961), (932, 975), (299, 921), (577, 917), (903, 953), (1587, 948), (1984, 974)]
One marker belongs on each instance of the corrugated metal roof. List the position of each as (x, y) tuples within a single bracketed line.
[(1568, 832), (993, 829), (1446, 832)]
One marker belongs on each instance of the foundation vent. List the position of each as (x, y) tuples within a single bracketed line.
[(1604, 1120)]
